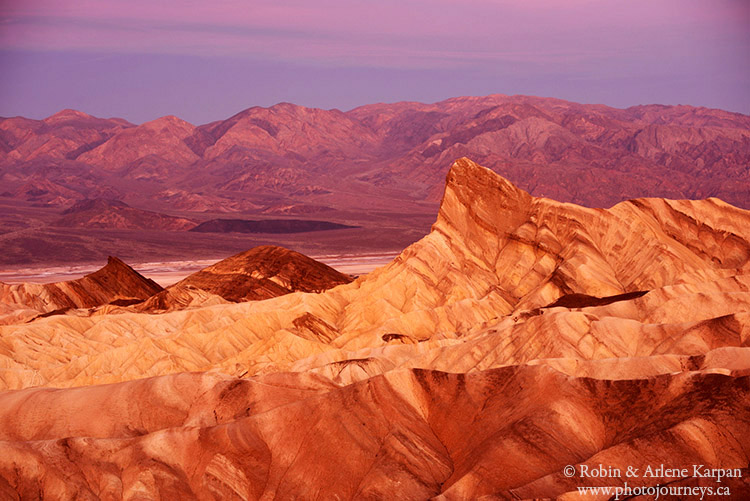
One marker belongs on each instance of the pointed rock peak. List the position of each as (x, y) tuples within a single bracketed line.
[(122, 279), (479, 194), (471, 179), (117, 262), (116, 267)]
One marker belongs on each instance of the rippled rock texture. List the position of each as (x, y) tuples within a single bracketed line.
[(115, 283), (520, 336)]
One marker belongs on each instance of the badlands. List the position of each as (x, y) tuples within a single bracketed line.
[(520, 336)]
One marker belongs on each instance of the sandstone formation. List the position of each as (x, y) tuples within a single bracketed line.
[(259, 273), (519, 336), (502, 433), (114, 283)]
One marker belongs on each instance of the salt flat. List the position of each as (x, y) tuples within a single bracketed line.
[(169, 272)]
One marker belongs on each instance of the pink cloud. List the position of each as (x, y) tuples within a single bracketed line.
[(417, 33)]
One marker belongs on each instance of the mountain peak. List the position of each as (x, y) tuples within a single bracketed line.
[(66, 114), (476, 194), (119, 279), (116, 261), (466, 172), (172, 122), (264, 272)]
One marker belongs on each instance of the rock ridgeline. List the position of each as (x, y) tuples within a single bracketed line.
[(520, 336), (115, 283), (260, 273)]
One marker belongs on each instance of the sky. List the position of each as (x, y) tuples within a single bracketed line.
[(205, 61)]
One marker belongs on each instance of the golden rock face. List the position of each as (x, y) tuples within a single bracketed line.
[(520, 336)]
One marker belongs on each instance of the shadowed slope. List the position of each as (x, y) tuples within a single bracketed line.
[(494, 256), (406, 435), (259, 273), (520, 336), (115, 281)]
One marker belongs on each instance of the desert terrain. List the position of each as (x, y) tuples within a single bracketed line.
[(167, 273), (519, 337), (78, 188)]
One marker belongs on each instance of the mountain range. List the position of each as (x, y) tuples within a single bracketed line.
[(378, 167), (297, 155)]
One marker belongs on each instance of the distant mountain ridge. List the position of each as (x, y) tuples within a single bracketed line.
[(380, 154), (105, 213)]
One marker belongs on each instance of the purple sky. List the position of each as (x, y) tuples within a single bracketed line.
[(203, 61)]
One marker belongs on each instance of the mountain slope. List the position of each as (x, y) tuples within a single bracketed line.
[(115, 281), (260, 273), (494, 259), (115, 214), (397, 151), (520, 337), (66, 134), (162, 139), (407, 435)]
